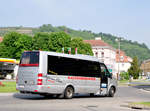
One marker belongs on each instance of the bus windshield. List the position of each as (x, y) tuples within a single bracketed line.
[(30, 59)]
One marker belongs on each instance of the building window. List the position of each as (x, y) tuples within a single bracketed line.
[(102, 53), (121, 58), (96, 54)]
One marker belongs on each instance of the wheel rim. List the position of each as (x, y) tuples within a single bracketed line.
[(112, 91), (69, 92)]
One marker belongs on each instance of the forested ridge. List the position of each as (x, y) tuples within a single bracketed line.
[(131, 48)]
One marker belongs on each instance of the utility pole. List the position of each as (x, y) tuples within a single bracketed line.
[(118, 40), (119, 58)]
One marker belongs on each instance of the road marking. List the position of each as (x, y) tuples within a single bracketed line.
[(144, 90)]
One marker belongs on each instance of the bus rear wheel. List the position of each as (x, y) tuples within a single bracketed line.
[(111, 92), (69, 91)]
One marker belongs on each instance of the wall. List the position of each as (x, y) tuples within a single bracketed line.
[(123, 66), (106, 55)]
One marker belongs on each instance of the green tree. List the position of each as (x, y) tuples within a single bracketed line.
[(24, 43), (14, 44), (8, 46), (54, 41), (41, 41), (83, 48), (124, 75), (134, 70), (59, 40), (47, 28)]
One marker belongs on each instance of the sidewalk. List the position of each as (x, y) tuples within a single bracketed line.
[(140, 82)]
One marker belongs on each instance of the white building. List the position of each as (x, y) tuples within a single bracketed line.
[(104, 52), (124, 63), (110, 56)]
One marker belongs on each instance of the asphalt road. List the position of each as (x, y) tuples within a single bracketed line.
[(27, 102)]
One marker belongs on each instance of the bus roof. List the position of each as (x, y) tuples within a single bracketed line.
[(77, 56)]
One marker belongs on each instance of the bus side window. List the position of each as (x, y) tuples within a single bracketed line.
[(103, 70)]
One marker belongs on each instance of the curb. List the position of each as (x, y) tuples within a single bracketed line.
[(6, 94), (6, 80), (144, 90)]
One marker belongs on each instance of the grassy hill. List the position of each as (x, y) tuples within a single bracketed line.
[(25, 30), (132, 48)]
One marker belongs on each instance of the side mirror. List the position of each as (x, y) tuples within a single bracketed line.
[(109, 75)]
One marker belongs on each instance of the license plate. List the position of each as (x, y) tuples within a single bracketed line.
[(31, 82), (21, 86)]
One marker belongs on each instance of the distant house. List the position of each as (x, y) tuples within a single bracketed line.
[(123, 63), (1, 39), (145, 67), (104, 52)]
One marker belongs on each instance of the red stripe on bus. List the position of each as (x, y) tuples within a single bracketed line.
[(82, 78)]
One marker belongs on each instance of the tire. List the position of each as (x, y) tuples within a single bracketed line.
[(60, 96), (69, 91), (111, 92)]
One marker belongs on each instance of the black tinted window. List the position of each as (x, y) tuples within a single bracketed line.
[(74, 67), (30, 58)]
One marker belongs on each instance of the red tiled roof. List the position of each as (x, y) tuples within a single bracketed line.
[(123, 57), (96, 42), (1, 39)]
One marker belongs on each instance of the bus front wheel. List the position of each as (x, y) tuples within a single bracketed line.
[(111, 92), (69, 91)]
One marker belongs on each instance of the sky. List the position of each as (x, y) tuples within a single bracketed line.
[(129, 19)]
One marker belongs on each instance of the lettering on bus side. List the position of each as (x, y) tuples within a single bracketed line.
[(82, 78), (53, 80)]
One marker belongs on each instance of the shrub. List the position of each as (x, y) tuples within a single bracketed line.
[(124, 76)]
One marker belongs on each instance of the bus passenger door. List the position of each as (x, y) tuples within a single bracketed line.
[(104, 79)]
